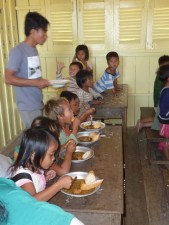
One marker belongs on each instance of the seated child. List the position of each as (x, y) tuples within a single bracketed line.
[(53, 126), (73, 69), (82, 113), (82, 56), (86, 94), (110, 75), (163, 73), (36, 155), (158, 85), (17, 207), (59, 110)]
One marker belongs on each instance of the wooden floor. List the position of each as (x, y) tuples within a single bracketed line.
[(146, 195)]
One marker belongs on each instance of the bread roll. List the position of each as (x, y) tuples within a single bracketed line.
[(94, 136), (86, 187), (90, 178), (86, 155), (97, 125)]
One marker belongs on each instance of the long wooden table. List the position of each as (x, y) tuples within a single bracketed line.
[(115, 107), (106, 206)]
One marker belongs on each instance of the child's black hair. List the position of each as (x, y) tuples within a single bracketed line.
[(163, 59), (34, 141), (68, 95), (47, 123), (34, 20), (111, 55), (163, 72), (82, 76), (78, 64), (83, 48)]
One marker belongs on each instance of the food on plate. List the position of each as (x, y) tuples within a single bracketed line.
[(77, 155), (94, 136), (85, 139), (81, 155), (91, 138), (84, 186), (94, 125), (90, 182), (86, 155)]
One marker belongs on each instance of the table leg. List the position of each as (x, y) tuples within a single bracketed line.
[(124, 127)]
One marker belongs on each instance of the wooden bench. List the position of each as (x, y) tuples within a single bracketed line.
[(152, 137)]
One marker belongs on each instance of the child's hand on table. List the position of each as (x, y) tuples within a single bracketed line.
[(98, 101)]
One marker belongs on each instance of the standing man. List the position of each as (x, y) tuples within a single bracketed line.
[(23, 70)]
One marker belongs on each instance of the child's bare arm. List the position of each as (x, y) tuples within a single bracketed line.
[(45, 195), (60, 66), (76, 124), (86, 114), (66, 164)]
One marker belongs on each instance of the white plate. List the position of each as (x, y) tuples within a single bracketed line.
[(80, 175), (60, 81), (78, 149), (84, 124), (57, 85), (86, 133)]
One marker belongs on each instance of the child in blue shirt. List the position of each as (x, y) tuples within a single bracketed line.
[(110, 75), (18, 207)]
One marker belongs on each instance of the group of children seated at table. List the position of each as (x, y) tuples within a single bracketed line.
[(36, 160), (161, 105)]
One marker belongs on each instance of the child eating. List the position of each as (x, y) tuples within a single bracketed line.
[(59, 109), (82, 112)]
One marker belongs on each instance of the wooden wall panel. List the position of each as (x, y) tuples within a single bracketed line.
[(153, 68), (142, 75), (129, 73), (131, 110), (100, 66), (140, 101)]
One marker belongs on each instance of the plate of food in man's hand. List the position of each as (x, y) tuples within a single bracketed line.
[(83, 184), (81, 154)]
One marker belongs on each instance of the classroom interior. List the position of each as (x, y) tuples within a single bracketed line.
[(139, 31)]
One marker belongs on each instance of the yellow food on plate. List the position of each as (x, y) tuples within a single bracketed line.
[(85, 139), (84, 186), (94, 136)]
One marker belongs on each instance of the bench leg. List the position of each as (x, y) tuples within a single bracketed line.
[(149, 145)]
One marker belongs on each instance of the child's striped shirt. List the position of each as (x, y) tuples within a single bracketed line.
[(106, 81)]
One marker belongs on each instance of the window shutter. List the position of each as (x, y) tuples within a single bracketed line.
[(92, 23), (63, 25), (159, 16), (130, 20)]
